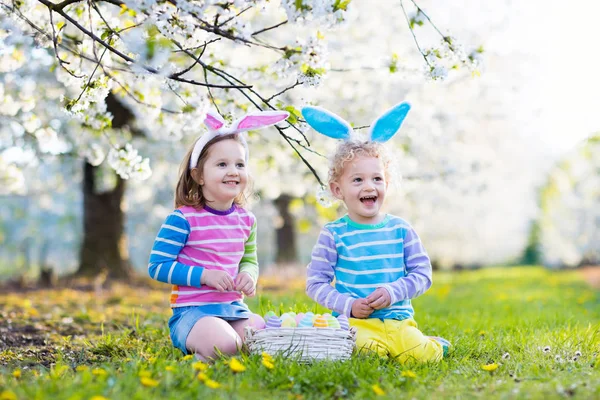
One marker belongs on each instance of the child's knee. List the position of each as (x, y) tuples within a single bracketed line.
[(212, 337), (421, 352)]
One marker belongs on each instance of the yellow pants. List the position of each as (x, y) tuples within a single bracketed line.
[(400, 340)]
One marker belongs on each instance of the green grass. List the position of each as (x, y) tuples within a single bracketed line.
[(76, 345)]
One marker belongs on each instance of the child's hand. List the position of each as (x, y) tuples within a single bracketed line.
[(245, 284), (361, 309), (379, 299), (220, 280)]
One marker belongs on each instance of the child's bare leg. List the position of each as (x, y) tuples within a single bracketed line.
[(239, 326), (211, 333)]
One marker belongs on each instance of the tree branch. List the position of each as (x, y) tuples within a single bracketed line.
[(413, 34), (282, 92), (270, 27), (51, 6)]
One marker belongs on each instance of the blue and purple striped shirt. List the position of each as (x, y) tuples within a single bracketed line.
[(362, 258)]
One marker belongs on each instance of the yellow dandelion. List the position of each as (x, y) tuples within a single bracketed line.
[(170, 368), (200, 366), (82, 368), (98, 398), (152, 360), (236, 365), (188, 357), (267, 356), (482, 333), (212, 384), (408, 374), (99, 372), (8, 395), (378, 390), (149, 382), (202, 377), (145, 374), (490, 367), (16, 373), (268, 364)]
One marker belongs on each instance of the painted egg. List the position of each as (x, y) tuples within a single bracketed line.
[(299, 317), (256, 321), (344, 323), (273, 322), (269, 314), (306, 322), (333, 322), (288, 323), (321, 322)]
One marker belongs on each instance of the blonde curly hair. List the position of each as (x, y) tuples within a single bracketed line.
[(348, 150)]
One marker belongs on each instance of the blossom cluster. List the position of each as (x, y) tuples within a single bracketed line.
[(128, 164)]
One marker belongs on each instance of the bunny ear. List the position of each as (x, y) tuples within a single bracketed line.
[(260, 119), (214, 121), (326, 122), (386, 126)]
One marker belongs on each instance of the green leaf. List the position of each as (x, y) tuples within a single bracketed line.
[(295, 114), (394, 63), (341, 5)]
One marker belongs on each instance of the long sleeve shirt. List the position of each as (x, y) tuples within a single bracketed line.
[(361, 258), (192, 241)]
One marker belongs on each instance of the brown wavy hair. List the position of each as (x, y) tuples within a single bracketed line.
[(188, 192)]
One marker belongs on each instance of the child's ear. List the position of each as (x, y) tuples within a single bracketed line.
[(197, 176), (336, 190)]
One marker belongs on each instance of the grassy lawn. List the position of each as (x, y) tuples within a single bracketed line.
[(114, 344)]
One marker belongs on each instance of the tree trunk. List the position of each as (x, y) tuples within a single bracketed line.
[(104, 247), (286, 235)]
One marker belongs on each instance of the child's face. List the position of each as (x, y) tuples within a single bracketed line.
[(362, 188), (224, 175)]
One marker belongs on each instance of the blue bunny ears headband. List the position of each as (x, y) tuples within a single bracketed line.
[(382, 129)]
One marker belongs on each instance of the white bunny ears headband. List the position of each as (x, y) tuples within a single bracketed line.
[(216, 126), (334, 126)]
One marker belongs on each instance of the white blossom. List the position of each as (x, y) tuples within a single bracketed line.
[(128, 164)]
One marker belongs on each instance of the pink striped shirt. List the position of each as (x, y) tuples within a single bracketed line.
[(192, 241)]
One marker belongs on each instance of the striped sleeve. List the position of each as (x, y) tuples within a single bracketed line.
[(320, 274), (418, 270), (163, 265), (249, 262)]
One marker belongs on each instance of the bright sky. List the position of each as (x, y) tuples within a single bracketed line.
[(561, 41)]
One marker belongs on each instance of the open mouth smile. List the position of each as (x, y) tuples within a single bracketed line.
[(368, 200)]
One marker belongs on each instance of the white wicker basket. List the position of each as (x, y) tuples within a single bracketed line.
[(305, 344)]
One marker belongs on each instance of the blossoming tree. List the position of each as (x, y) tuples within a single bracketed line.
[(92, 78), (570, 212)]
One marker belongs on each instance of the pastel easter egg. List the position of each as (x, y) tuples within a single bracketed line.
[(320, 322), (333, 322), (256, 321), (310, 314), (288, 323), (306, 322), (315, 316), (344, 323), (273, 322), (299, 317), (269, 314)]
